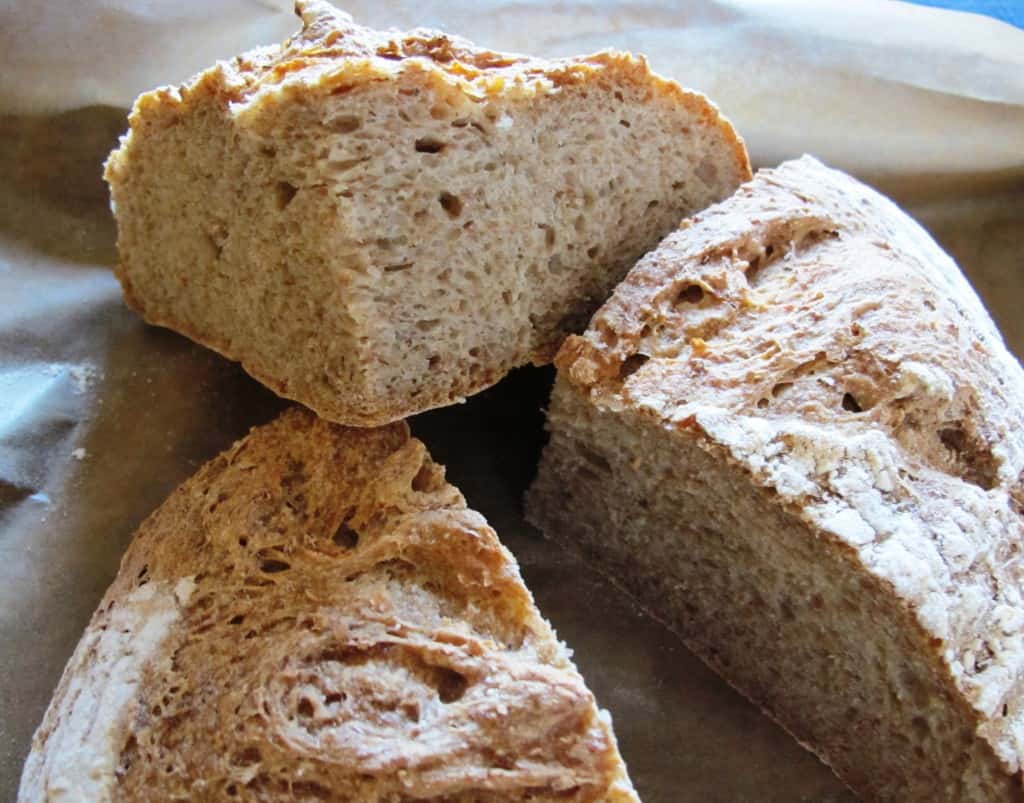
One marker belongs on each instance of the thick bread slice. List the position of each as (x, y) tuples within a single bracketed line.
[(316, 615), (795, 434), (377, 223)]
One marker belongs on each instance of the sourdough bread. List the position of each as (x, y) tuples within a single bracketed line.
[(316, 615), (795, 435), (377, 223)]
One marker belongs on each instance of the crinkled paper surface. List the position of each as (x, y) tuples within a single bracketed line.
[(101, 416)]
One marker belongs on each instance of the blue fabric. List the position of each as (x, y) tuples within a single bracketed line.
[(1011, 11)]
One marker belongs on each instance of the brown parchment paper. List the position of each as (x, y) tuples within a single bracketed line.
[(102, 416)]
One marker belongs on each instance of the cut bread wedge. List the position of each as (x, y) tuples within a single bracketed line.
[(377, 223), (316, 615), (795, 435)]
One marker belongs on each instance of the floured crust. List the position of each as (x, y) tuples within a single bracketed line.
[(332, 57), (317, 615), (812, 334)]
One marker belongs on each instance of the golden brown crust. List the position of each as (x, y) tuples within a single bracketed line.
[(316, 614)]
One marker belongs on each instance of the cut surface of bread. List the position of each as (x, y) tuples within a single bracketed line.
[(316, 615), (377, 223), (795, 435)]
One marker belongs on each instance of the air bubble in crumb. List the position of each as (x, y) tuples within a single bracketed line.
[(79, 454)]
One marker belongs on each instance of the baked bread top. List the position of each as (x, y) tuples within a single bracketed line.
[(334, 53), (317, 615), (810, 331)]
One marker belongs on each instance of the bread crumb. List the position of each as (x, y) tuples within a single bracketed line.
[(79, 454), (639, 149)]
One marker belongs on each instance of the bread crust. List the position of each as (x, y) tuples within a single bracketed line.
[(811, 335), (333, 56), (317, 615)]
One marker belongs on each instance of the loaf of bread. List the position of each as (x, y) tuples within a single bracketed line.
[(316, 615), (795, 435), (377, 223)]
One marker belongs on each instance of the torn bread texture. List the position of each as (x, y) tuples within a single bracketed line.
[(796, 436), (378, 223), (316, 615)]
